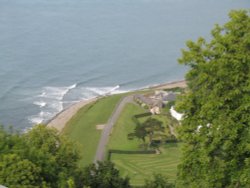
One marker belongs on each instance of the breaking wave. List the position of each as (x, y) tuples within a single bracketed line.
[(53, 100)]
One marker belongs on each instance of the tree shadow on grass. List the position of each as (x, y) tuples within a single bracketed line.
[(171, 145), (142, 115)]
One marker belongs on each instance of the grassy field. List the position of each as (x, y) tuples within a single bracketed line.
[(141, 166), (82, 127)]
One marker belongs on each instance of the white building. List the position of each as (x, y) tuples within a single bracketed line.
[(176, 114)]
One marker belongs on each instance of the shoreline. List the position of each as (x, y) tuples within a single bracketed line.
[(60, 120)]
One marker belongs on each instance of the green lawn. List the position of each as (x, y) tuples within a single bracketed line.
[(82, 127), (141, 166)]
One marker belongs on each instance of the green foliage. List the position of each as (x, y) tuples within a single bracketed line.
[(54, 153), (176, 89), (104, 175), (217, 153), (17, 172), (10, 141), (158, 181), (151, 128), (38, 158), (115, 151)]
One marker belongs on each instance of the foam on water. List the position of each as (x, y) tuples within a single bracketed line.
[(56, 92), (52, 100), (35, 119), (40, 103), (99, 91)]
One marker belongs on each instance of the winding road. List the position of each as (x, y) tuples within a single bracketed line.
[(106, 132)]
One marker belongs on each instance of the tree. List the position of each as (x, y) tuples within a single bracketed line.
[(216, 127), (10, 141), (139, 132), (38, 158), (56, 155), (104, 175), (151, 127), (158, 181), (16, 172)]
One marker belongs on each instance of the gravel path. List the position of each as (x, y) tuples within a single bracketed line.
[(100, 152)]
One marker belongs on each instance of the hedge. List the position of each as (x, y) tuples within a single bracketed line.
[(143, 115), (128, 152)]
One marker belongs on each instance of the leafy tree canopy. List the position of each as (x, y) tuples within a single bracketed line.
[(104, 175), (158, 181), (150, 128), (38, 158), (216, 127), (17, 172)]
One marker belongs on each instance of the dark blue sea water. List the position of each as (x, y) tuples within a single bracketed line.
[(56, 52)]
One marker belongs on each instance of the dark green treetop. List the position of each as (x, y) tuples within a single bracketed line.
[(158, 181), (39, 158), (104, 175)]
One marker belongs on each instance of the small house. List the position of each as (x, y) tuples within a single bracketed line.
[(165, 96), (153, 104)]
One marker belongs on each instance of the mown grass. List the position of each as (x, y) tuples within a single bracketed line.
[(82, 127), (142, 166)]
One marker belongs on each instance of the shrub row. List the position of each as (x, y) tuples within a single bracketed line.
[(128, 152), (143, 115)]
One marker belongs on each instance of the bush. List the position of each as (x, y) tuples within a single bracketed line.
[(128, 152)]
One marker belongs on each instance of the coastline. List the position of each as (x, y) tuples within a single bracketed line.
[(169, 85), (60, 120)]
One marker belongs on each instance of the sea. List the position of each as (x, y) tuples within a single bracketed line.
[(54, 53)]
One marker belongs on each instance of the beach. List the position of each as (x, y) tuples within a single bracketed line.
[(60, 120), (181, 84)]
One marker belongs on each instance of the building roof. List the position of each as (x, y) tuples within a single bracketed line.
[(170, 97), (165, 96), (148, 101)]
